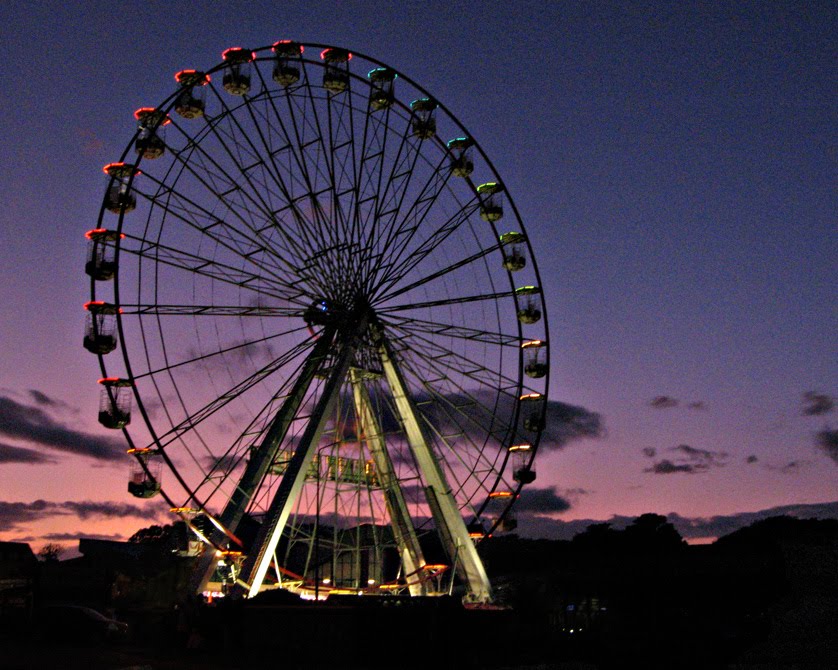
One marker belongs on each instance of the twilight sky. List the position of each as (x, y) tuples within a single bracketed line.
[(674, 165)]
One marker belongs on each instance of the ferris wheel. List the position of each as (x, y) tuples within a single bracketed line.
[(317, 311)]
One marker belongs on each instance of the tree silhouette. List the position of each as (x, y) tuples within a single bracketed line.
[(50, 552)]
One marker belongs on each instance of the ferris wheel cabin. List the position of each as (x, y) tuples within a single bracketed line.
[(118, 197), (144, 480), (513, 257), (150, 143), (528, 311), (459, 150), (522, 472), (336, 72), (535, 364), (100, 327), (533, 407), (423, 123), (491, 201), (101, 253), (286, 72), (382, 83), (236, 77), (115, 402), (192, 99)]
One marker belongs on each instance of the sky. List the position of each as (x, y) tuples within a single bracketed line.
[(675, 168)]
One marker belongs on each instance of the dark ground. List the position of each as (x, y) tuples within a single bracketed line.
[(763, 598)]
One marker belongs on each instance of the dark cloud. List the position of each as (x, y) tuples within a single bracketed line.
[(688, 460), (815, 404), (792, 466), (716, 526), (751, 459), (34, 424), (532, 526), (827, 440), (541, 501), (225, 464), (10, 454), (701, 456), (564, 423), (14, 514), (567, 423), (650, 452), (663, 402), (478, 413), (41, 398), (697, 405), (667, 467), (575, 493)]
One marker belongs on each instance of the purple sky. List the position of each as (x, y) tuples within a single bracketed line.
[(675, 168)]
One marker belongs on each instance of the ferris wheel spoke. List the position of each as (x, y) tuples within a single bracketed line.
[(242, 200), (446, 301), (434, 353), (217, 181), (461, 425), (267, 162), (239, 346), (404, 228), (412, 324), (156, 252), (344, 171), (433, 276), (323, 159), (189, 422), (274, 125), (235, 241), (318, 172), (438, 373), (210, 310), (401, 267), (378, 183), (289, 248)]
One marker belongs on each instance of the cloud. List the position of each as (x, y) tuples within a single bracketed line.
[(10, 454), (701, 455), (751, 459), (541, 501), (225, 464), (475, 414), (650, 452), (715, 526), (827, 440), (567, 423), (697, 405), (815, 404), (667, 467), (34, 424), (792, 467), (15, 514), (663, 402), (690, 528), (689, 460)]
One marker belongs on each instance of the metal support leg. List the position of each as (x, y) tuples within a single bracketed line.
[(259, 558), (262, 458), (403, 530), (452, 528)]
